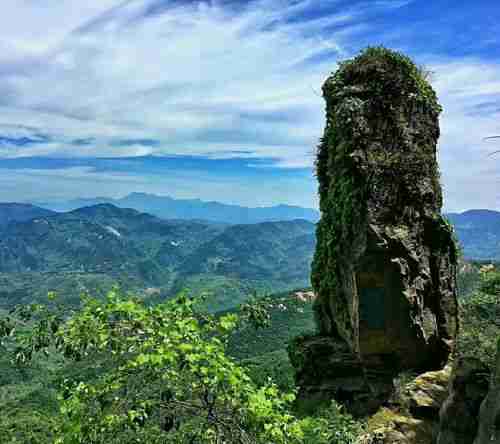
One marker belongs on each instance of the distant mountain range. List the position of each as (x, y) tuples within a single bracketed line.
[(477, 230), (169, 208)]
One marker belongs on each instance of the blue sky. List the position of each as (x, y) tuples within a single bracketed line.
[(220, 100)]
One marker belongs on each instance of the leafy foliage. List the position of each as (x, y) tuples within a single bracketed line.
[(331, 426), (159, 374), (481, 319)]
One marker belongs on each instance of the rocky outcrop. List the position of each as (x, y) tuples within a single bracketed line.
[(384, 270), (412, 416), (426, 394), (450, 406), (390, 427), (459, 413), (489, 416), (326, 369)]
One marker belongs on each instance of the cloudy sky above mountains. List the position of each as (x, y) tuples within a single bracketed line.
[(220, 99)]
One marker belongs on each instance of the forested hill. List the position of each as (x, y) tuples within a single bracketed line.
[(94, 246), (19, 212), (96, 238), (265, 250), (478, 232)]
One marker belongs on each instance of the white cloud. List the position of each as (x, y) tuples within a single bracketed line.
[(187, 75), (29, 30), (191, 70), (470, 175)]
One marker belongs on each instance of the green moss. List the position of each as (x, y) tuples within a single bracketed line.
[(393, 70), (385, 422), (385, 419), (296, 351), (449, 239)]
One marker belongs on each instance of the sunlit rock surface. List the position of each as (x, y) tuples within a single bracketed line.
[(412, 414)]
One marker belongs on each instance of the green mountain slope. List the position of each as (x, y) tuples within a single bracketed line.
[(270, 250), (17, 212), (263, 258), (264, 351), (97, 239), (478, 232), (90, 248)]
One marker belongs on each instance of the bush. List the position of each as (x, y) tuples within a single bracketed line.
[(331, 426), (158, 375), (480, 315)]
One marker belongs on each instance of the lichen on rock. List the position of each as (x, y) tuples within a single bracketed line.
[(412, 415)]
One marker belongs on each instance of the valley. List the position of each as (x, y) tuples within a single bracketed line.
[(92, 248)]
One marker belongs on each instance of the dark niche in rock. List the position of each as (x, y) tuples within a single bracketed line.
[(384, 270)]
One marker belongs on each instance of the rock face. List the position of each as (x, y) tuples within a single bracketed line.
[(384, 271), (412, 416), (326, 369), (489, 416), (459, 413)]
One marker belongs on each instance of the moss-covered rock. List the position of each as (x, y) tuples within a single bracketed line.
[(384, 270), (389, 427), (380, 200), (412, 416), (427, 393)]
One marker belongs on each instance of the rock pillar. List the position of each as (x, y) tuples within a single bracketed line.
[(384, 271)]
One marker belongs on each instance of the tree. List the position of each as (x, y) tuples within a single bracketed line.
[(162, 375)]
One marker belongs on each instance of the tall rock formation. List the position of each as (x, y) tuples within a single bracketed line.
[(385, 265)]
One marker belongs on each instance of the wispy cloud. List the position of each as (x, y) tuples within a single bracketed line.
[(470, 175), (187, 74)]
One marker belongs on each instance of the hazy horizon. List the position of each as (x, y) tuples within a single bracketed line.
[(203, 201)]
